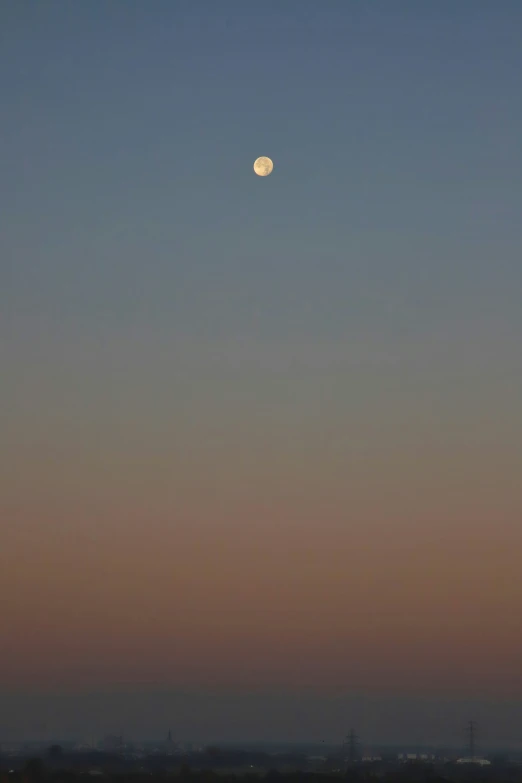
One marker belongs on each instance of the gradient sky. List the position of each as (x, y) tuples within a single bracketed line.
[(261, 434)]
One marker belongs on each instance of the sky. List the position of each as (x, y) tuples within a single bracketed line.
[(261, 437)]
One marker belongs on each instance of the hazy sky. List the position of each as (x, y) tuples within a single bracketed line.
[(261, 433)]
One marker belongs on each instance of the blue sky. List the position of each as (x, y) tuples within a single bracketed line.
[(128, 139)]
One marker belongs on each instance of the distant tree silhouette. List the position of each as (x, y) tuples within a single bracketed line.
[(34, 770), (55, 752), (207, 776), (64, 776)]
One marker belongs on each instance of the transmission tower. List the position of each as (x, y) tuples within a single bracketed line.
[(352, 747), (471, 732)]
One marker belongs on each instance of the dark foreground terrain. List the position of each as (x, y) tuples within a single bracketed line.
[(246, 768)]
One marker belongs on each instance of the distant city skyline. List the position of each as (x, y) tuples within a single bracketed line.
[(230, 716)]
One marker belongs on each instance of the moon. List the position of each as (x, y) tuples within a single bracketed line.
[(263, 166)]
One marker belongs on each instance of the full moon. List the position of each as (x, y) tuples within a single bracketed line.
[(263, 167)]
